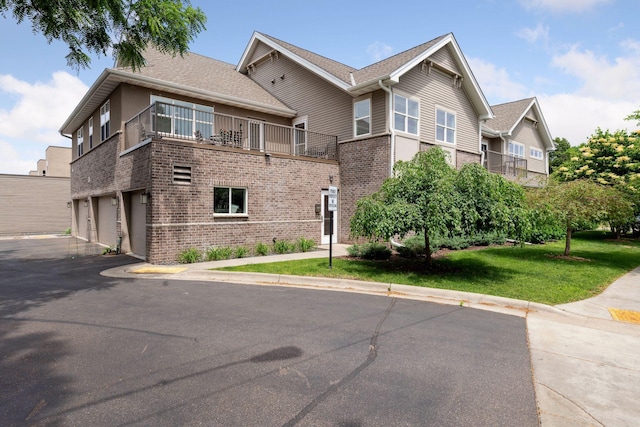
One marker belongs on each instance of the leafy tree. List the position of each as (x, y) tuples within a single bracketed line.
[(418, 198), (613, 160), (574, 202), (634, 116), (97, 26), (560, 155)]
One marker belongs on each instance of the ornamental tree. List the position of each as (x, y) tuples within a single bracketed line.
[(98, 26)]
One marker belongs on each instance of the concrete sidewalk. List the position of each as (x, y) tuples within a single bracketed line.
[(585, 363)]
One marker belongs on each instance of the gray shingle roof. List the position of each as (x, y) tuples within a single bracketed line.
[(507, 114), (208, 74)]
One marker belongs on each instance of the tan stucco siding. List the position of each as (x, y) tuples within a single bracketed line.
[(528, 135), (329, 109), (435, 89), (444, 58), (57, 162)]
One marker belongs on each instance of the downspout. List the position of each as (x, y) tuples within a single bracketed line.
[(391, 130)]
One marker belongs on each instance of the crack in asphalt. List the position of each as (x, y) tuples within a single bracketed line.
[(371, 356)]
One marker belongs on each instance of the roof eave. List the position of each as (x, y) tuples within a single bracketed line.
[(546, 135)]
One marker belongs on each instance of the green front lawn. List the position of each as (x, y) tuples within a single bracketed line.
[(532, 273)]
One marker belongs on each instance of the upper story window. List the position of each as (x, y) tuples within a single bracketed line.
[(405, 114), (80, 138), (445, 126), (90, 133), (362, 117), (105, 118), (516, 150), (535, 153), (229, 201), (173, 117)]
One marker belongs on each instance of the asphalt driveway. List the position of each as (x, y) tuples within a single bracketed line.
[(77, 348)]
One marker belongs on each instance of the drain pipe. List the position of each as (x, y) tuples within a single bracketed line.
[(393, 143), (390, 123)]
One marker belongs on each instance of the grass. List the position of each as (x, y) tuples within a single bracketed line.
[(532, 273)]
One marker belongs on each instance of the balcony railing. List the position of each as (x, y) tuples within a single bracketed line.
[(202, 126), (505, 164)]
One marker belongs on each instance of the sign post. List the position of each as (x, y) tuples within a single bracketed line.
[(333, 207)]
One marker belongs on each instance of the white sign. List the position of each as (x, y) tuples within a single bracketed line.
[(333, 199)]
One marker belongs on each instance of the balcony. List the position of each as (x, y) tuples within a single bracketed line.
[(203, 126), (505, 164)]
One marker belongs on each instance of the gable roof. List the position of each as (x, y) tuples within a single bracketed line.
[(359, 81), (192, 75), (510, 114)]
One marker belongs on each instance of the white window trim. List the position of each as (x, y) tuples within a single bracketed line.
[(406, 115), (105, 120), (515, 143), (536, 153), (230, 214), (435, 125), (90, 133), (186, 104), (355, 125), (302, 120), (80, 141)]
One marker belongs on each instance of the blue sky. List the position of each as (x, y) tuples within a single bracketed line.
[(581, 58)]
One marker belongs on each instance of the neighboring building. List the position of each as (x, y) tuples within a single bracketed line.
[(38, 203), (56, 162), (196, 152)]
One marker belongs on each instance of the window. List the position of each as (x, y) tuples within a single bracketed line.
[(406, 112), (445, 126), (179, 118), (362, 117), (516, 150), (105, 118), (80, 136), (229, 201), (90, 133), (535, 153)]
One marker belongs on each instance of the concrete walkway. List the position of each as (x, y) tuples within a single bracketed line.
[(584, 355)]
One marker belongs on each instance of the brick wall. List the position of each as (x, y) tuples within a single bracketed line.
[(282, 192), (462, 158), (364, 165)]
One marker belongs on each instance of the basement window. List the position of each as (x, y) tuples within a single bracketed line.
[(229, 201), (181, 174)]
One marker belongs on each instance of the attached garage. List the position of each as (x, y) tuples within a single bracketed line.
[(81, 218), (106, 220)]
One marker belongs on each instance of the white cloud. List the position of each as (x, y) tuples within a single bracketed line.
[(379, 51), (576, 117), (496, 84), (614, 80), (40, 108), (563, 6), (11, 163), (532, 35)]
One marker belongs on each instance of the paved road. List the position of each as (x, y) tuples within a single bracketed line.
[(77, 348)]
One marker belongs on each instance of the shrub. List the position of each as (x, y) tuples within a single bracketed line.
[(305, 245), (283, 246), (261, 249), (67, 232), (372, 250), (215, 254), (241, 252), (189, 256)]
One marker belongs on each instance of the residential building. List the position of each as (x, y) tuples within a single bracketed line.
[(194, 152), (55, 163)]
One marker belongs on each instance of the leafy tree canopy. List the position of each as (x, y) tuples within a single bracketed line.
[(99, 26), (560, 155)]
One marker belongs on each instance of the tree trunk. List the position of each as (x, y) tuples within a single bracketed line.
[(427, 248), (567, 244)]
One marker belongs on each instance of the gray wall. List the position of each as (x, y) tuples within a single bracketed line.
[(34, 204)]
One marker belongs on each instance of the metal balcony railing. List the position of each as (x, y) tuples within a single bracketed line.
[(202, 126), (505, 164)]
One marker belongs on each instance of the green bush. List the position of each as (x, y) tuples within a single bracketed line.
[(305, 245), (189, 256), (372, 251), (283, 247), (261, 249), (241, 252), (215, 254)]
